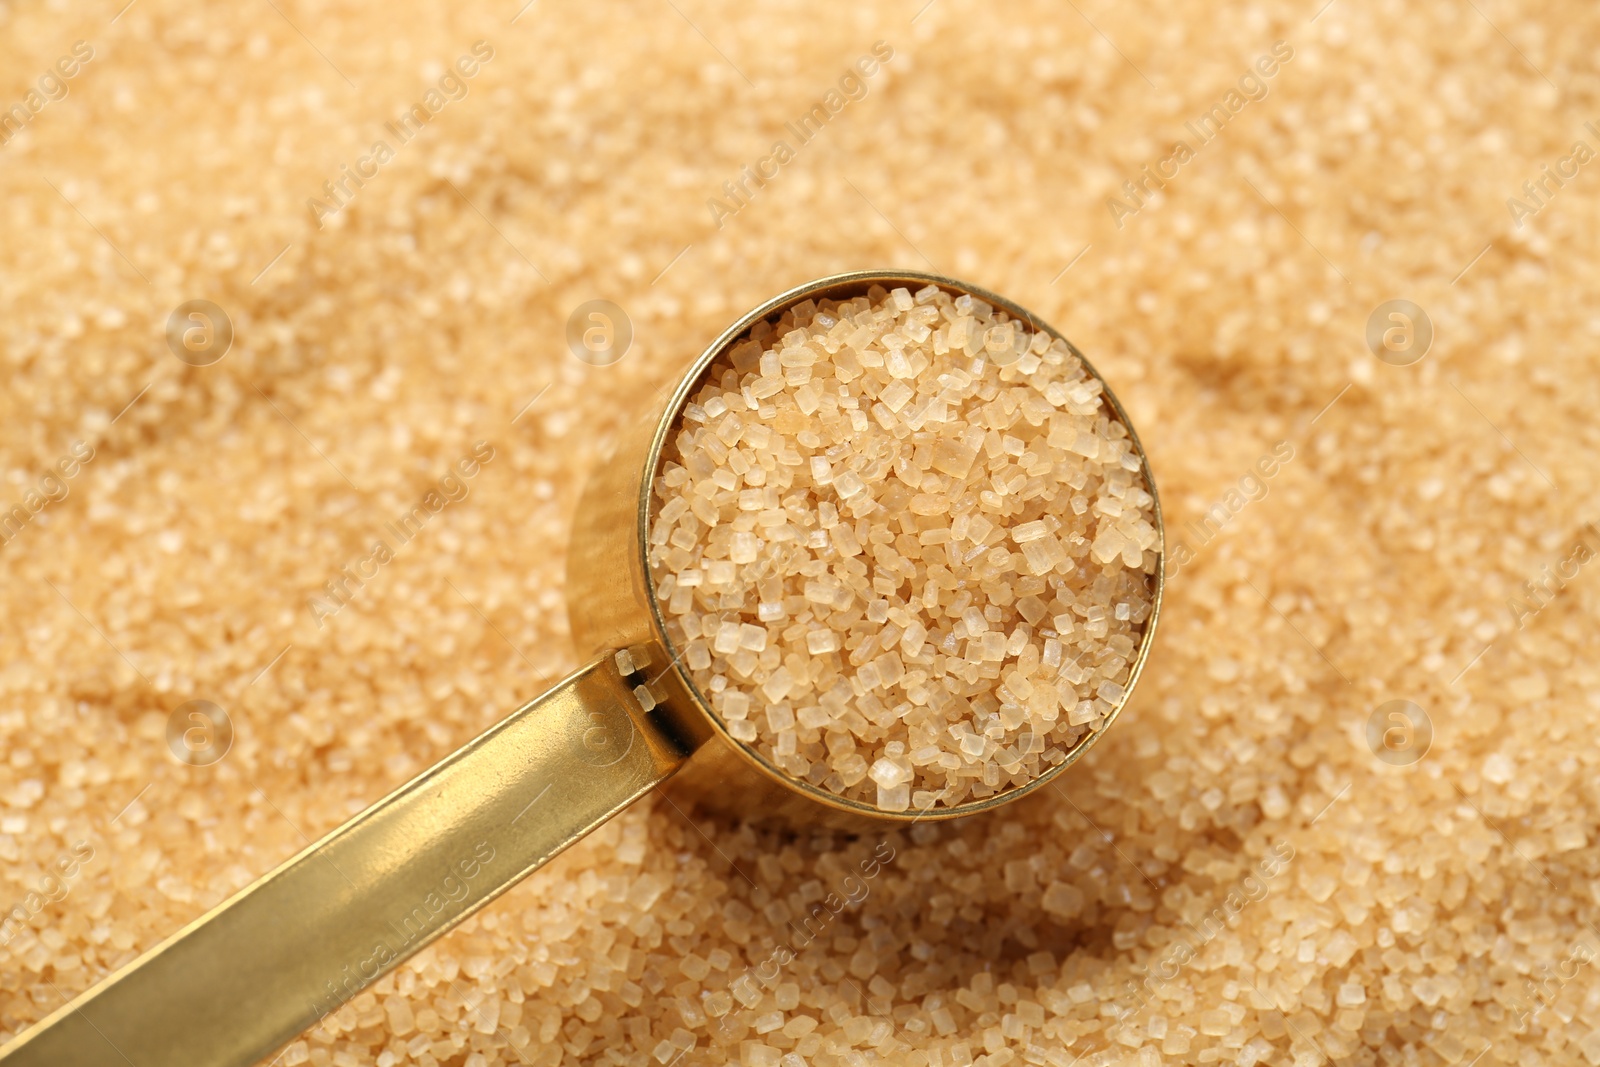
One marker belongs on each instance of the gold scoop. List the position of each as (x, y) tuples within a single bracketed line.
[(241, 981)]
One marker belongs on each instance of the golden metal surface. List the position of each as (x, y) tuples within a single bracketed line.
[(247, 977)]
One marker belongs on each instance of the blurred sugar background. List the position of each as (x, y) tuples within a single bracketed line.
[(392, 308)]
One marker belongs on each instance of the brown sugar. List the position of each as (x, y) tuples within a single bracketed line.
[(1441, 913), (906, 547)]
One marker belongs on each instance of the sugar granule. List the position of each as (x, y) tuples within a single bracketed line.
[(905, 547)]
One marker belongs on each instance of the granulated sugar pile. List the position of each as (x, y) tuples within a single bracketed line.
[(906, 547), (1231, 875)]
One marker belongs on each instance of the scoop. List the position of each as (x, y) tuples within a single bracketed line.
[(248, 976)]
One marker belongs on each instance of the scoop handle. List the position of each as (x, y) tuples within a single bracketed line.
[(244, 979)]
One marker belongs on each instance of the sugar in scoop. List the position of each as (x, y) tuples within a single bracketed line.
[(905, 547)]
